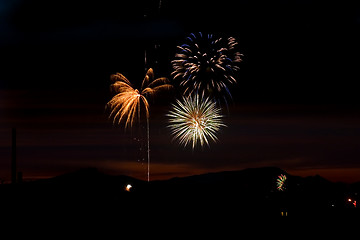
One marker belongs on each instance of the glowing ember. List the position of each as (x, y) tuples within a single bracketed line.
[(128, 187)]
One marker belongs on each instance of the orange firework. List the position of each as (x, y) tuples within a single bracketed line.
[(126, 103)]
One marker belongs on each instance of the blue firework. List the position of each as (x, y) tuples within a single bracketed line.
[(206, 64)]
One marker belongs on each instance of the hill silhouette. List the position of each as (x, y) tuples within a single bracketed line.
[(221, 196)]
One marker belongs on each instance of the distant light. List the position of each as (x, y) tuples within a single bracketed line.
[(349, 200), (284, 214), (128, 187)]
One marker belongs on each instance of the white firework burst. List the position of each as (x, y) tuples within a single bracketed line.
[(194, 120)]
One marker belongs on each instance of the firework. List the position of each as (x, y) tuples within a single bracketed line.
[(127, 102), (206, 64), (194, 120), (280, 182)]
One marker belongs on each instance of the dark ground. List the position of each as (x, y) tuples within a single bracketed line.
[(224, 200)]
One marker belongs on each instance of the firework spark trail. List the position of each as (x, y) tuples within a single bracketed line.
[(206, 64), (128, 101), (194, 120)]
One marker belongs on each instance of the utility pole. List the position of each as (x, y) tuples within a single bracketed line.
[(13, 156)]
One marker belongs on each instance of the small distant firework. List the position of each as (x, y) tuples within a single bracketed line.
[(206, 64), (128, 187), (280, 182), (353, 202), (194, 120)]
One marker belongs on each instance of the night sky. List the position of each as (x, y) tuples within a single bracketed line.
[(295, 105)]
